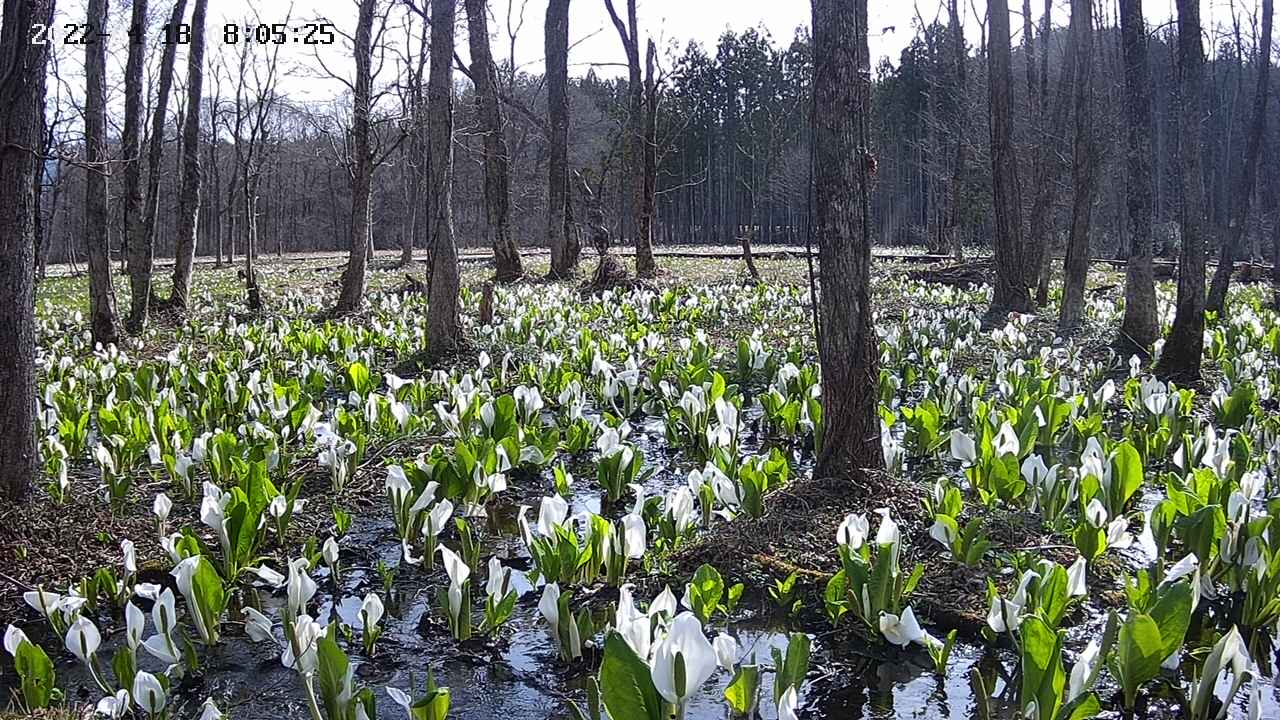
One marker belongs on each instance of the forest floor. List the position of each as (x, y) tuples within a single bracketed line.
[(52, 544)]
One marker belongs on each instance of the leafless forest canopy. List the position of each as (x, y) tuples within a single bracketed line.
[(732, 153)]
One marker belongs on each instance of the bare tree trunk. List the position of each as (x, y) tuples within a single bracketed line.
[(1076, 264), (1275, 241), (215, 194), (629, 33), (1049, 165), (444, 333), (847, 342), (134, 222), (1242, 196), (1140, 328), (497, 163), (252, 292), (1012, 271), (189, 193), (1182, 355), (748, 256), (560, 237), (22, 68), (956, 33), (361, 166), (97, 213), (645, 265), (417, 151)]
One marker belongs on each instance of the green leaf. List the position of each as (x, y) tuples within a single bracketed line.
[(1052, 595), (1172, 614), (1126, 476), (1042, 677), (36, 671), (1139, 649), (434, 706), (1083, 707), (743, 693), (790, 671), (125, 665), (210, 594), (332, 673), (626, 684)]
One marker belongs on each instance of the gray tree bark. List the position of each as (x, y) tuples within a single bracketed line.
[(131, 147), (22, 68), (189, 192), (560, 237), (141, 255), (1183, 350), (1242, 196), (1084, 156), (353, 279), (97, 212), (1140, 328), (416, 157), (497, 163), (629, 33), (444, 333), (1012, 268), (952, 233), (847, 341)]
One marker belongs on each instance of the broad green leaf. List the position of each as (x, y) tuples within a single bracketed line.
[(332, 674), (36, 670), (626, 684), (743, 693)]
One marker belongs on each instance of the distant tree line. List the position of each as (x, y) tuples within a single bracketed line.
[(732, 151)]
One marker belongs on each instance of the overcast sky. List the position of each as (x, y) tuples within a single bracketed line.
[(594, 42), (594, 39)]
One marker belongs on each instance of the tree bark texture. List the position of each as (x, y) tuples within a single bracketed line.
[(353, 280), (1140, 328), (443, 330), (646, 267), (97, 212), (416, 160), (1242, 196), (189, 192), (131, 147), (847, 342), (22, 68), (141, 255), (1182, 355), (629, 33), (959, 120), (1048, 168), (560, 237), (1084, 160), (1011, 258), (497, 161)]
